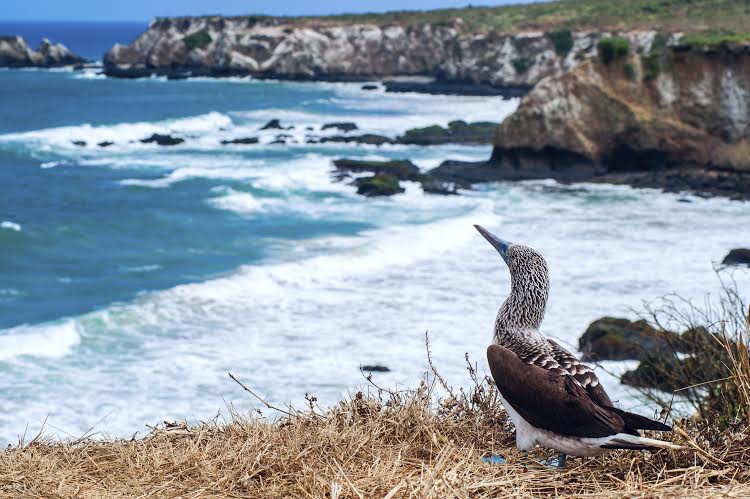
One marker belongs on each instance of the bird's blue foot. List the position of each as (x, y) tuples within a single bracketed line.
[(494, 459), (555, 462)]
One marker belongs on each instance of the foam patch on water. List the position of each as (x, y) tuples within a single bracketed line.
[(52, 340), (242, 203), (10, 226), (122, 134)]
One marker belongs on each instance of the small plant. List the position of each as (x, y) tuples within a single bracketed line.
[(522, 64), (198, 40), (612, 48), (714, 377), (562, 39), (629, 70), (458, 52), (652, 64)]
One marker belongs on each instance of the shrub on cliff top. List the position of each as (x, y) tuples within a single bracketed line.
[(522, 64), (562, 39), (198, 40), (612, 48)]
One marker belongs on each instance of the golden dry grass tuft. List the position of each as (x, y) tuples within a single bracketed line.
[(406, 444)]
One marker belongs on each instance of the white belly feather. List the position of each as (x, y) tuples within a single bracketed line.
[(527, 436)]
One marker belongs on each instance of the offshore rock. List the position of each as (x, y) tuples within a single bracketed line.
[(15, 53), (610, 338), (737, 256)]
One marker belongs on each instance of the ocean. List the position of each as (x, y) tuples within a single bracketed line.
[(136, 276)]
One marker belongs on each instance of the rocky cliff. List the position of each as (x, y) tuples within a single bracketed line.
[(15, 53), (678, 120), (289, 49)]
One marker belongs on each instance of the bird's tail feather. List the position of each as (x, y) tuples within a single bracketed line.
[(638, 422), (625, 441)]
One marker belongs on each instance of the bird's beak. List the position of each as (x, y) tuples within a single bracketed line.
[(499, 244)]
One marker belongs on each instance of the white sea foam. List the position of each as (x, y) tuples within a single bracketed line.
[(239, 202), (10, 226), (123, 135), (53, 340), (90, 74)]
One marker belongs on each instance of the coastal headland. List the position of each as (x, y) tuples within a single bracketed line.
[(639, 94)]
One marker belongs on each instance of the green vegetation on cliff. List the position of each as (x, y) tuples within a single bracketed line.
[(612, 48), (562, 39), (198, 40), (694, 16)]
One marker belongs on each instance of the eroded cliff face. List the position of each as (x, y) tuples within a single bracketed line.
[(277, 48), (687, 127), (15, 52)]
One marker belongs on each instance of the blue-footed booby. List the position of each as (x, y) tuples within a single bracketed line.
[(553, 400)]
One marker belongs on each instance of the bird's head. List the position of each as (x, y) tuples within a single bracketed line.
[(518, 258)]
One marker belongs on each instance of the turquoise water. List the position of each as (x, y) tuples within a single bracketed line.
[(134, 276)]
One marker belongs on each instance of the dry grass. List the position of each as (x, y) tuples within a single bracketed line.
[(712, 17), (386, 445)]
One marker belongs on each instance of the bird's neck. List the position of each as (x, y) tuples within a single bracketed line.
[(522, 312)]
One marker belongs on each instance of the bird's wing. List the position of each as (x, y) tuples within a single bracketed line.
[(581, 373), (550, 398)]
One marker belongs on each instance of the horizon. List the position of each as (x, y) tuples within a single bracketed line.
[(146, 11)]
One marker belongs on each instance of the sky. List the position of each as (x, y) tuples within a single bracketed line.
[(145, 10)]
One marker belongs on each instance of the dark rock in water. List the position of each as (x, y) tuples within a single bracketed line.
[(659, 372), (467, 172), (309, 128), (273, 125), (367, 138), (79, 143), (378, 185), (105, 143), (241, 140), (402, 169), (369, 87), (163, 140), (375, 369), (432, 185), (15, 53), (281, 139), (344, 126), (610, 338), (737, 256), (455, 88), (563, 166), (458, 132)]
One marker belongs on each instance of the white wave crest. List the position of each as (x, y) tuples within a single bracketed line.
[(121, 134), (52, 340), (10, 226), (242, 203)]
